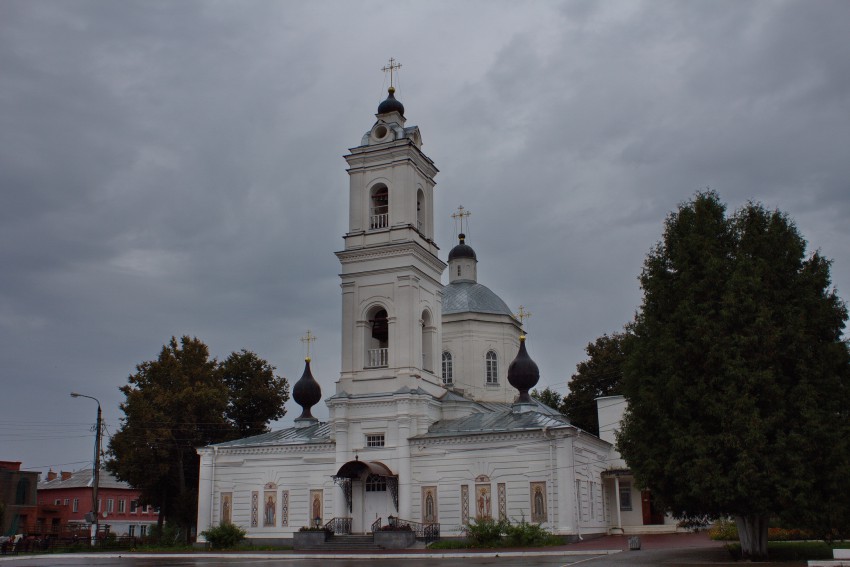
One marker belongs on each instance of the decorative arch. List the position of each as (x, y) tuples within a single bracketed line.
[(429, 337), (379, 206), (421, 210), (377, 339)]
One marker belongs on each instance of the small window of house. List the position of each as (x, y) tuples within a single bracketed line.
[(625, 497)]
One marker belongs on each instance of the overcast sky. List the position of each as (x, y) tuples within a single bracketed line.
[(175, 167)]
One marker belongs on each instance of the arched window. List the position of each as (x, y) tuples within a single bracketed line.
[(428, 333), (420, 211), (377, 341), (491, 367), (375, 483), (448, 371), (379, 212)]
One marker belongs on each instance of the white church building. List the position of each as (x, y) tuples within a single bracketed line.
[(430, 421)]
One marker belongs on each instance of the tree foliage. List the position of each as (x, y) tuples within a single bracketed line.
[(183, 400), (737, 375), (600, 375), (549, 397)]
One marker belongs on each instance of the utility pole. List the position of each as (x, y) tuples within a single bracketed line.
[(96, 470)]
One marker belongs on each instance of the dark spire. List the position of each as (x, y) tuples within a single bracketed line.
[(306, 392), (391, 104), (523, 373)]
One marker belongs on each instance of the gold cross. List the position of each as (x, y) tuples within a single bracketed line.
[(523, 314), (461, 214), (309, 338), (393, 66)]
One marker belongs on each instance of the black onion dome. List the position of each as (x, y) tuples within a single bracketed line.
[(462, 250), (523, 373), (391, 104), (306, 392)]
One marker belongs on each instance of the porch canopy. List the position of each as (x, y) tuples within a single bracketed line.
[(355, 470)]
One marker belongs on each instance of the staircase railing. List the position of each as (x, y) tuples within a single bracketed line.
[(376, 525), (339, 526), (426, 532)]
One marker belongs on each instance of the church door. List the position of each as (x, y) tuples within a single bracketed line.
[(376, 501)]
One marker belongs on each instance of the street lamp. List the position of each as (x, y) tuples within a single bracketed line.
[(96, 470)]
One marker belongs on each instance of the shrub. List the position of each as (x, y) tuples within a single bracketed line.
[(724, 529), (727, 530), (523, 534), (224, 535), (485, 532)]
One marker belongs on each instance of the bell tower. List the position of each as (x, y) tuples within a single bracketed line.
[(391, 289)]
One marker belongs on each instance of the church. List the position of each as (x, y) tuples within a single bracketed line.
[(431, 422)]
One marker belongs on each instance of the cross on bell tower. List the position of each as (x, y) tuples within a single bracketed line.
[(390, 67)]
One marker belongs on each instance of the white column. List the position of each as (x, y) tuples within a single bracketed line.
[(404, 509), (205, 491), (617, 502)]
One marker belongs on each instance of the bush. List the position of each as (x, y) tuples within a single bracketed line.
[(491, 533), (224, 535), (727, 530), (724, 529), (486, 532), (523, 534)]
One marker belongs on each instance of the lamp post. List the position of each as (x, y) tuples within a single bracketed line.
[(96, 470)]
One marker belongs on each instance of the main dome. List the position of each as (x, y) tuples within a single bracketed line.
[(468, 296)]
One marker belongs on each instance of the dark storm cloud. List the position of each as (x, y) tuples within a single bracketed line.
[(175, 167)]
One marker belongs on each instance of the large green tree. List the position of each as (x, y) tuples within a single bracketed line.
[(182, 400), (599, 375), (737, 375)]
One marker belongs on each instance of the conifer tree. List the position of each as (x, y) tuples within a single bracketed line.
[(737, 375)]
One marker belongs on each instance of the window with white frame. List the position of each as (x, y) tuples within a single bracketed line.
[(375, 440), (134, 505), (122, 506), (110, 505), (448, 370), (143, 530), (66, 502), (76, 505), (375, 483), (491, 367), (625, 496), (131, 530)]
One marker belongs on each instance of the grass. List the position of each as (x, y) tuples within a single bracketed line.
[(793, 550)]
